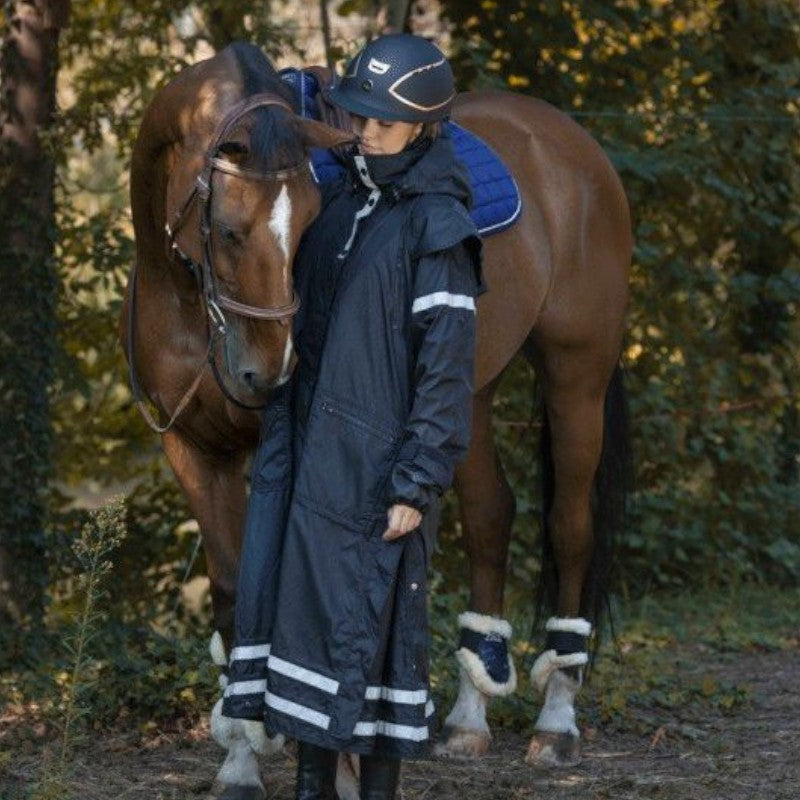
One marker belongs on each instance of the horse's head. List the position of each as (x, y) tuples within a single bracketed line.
[(259, 199)]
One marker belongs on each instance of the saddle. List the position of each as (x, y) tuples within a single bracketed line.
[(496, 201)]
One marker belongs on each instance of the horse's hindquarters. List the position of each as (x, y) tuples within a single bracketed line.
[(565, 262)]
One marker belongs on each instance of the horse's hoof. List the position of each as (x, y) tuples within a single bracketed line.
[(463, 743), (243, 793), (554, 750)]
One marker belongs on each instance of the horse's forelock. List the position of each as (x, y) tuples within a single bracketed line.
[(274, 143)]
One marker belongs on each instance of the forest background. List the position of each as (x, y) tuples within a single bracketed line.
[(695, 101)]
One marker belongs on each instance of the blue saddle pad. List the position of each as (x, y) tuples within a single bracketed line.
[(496, 202)]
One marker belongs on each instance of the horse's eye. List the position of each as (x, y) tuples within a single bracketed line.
[(232, 149), (228, 235)]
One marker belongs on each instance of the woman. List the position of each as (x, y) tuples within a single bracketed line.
[(380, 415)]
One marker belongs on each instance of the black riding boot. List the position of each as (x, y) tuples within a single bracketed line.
[(316, 772), (379, 777)]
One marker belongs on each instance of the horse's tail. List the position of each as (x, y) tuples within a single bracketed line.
[(611, 484)]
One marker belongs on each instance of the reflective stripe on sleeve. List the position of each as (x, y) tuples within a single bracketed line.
[(443, 299)]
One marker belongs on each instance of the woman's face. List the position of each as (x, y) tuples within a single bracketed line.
[(380, 137)]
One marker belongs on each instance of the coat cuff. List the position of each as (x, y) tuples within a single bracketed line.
[(419, 500), (419, 475)]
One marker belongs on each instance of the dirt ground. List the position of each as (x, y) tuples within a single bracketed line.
[(750, 754)]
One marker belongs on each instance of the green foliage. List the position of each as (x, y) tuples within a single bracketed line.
[(694, 100), (100, 537), (133, 652), (696, 103), (148, 679)]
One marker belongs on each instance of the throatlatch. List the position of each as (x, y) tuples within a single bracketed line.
[(483, 653)]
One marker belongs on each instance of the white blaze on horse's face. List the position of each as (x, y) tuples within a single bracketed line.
[(286, 370), (280, 223)]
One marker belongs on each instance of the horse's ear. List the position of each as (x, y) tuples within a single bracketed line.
[(318, 134)]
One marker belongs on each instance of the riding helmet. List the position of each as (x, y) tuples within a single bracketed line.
[(397, 77)]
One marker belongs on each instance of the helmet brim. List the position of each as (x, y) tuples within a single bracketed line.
[(362, 107)]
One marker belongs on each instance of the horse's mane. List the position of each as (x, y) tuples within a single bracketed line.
[(273, 143)]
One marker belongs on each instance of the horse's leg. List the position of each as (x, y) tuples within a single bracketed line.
[(487, 512), (574, 389), (215, 490)]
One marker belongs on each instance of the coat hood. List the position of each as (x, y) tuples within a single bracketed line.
[(424, 167)]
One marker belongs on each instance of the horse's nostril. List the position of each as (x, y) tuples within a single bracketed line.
[(254, 381)]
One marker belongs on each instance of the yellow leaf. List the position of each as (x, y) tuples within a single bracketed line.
[(633, 352), (188, 694), (708, 686), (517, 81)]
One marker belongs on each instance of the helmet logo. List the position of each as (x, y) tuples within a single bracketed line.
[(378, 67)]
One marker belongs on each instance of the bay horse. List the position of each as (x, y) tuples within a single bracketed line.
[(220, 196)]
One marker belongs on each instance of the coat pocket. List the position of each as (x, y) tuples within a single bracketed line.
[(346, 460)]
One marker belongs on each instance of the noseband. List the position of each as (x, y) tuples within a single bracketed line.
[(201, 193)]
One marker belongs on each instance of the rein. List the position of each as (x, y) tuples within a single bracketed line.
[(214, 301)]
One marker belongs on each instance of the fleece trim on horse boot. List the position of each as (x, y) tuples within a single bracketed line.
[(566, 646), (216, 647), (483, 653), (242, 739), (230, 733)]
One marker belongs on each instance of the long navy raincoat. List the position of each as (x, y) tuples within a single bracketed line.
[(332, 632)]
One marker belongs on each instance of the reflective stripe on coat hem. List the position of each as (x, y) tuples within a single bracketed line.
[(407, 696), (302, 675), (301, 712), (391, 730)]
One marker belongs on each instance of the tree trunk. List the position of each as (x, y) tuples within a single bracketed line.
[(396, 15), (28, 283), (325, 22)]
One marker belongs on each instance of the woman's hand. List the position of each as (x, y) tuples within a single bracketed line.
[(402, 520)]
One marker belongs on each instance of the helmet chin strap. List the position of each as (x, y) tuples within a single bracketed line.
[(367, 208)]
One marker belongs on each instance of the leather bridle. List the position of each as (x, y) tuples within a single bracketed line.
[(204, 272), (201, 193)]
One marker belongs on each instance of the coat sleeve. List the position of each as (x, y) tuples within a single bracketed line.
[(443, 337)]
